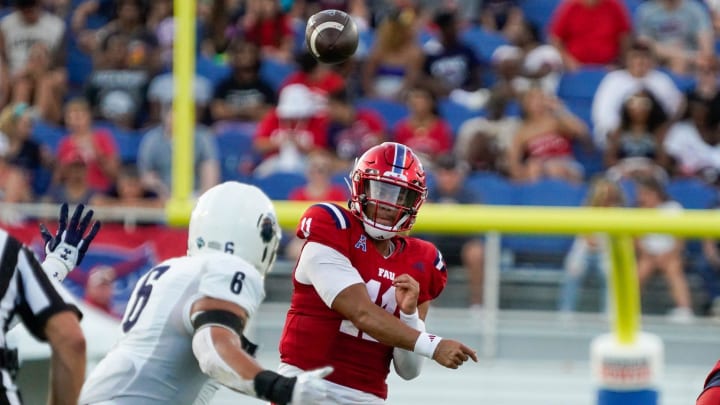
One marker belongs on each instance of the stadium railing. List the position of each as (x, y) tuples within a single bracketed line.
[(494, 220)]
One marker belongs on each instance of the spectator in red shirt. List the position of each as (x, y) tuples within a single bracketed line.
[(71, 185), (290, 131), (266, 25), (319, 187), (318, 77), (590, 32), (423, 129), (96, 146), (352, 131)]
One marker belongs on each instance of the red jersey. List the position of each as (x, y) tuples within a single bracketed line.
[(432, 141), (591, 34), (311, 133), (314, 335), (711, 393), (270, 32), (104, 148), (326, 84)]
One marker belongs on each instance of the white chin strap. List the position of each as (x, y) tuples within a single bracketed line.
[(382, 232), (376, 233)]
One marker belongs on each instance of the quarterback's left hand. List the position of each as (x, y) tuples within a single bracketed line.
[(407, 291), (70, 243)]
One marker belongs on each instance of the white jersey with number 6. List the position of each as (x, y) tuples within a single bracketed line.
[(153, 361)]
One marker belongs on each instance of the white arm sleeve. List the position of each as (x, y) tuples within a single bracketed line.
[(328, 270), (407, 364), (213, 365)]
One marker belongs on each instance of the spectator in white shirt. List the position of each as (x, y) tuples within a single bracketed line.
[(617, 86)]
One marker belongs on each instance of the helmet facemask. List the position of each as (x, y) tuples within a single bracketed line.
[(387, 189), (388, 208)]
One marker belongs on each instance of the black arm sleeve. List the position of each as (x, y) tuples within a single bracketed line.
[(273, 387)]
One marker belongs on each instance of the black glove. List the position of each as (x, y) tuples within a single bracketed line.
[(70, 243)]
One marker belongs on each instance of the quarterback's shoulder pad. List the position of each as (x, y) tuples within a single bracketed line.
[(323, 215), (230, 278), (326, 223)]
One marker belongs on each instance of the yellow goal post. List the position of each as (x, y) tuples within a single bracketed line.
[(620, 224)]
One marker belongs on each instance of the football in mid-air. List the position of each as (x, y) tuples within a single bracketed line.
[(331, 36)]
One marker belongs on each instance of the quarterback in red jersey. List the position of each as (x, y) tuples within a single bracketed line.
[(362, 289), (711, 391)]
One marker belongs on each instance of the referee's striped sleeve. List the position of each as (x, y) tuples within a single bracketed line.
[(8, 261), (41, 296)]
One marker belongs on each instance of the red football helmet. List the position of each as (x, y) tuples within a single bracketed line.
[(388, 188)]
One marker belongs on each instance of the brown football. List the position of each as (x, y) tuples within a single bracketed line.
[(331, 36)]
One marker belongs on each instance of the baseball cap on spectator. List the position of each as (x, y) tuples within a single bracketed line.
[(25, 3), (505, 53), (641, 45), (296, 101), (449, 162)]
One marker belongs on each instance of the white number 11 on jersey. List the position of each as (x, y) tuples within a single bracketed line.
[(388, 303)]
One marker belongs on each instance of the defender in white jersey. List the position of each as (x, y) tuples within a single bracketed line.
[(182, 331)]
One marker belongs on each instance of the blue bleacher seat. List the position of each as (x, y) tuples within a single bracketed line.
[(590, 157), (215, 72), (482, 42), (628, 188), (539, 12), (425, 35), (577, 90), (582, 108), (4, 11), (545, 192), (692, 193), (127, 141), (494, 189), (279, 185), (237, 158), (581, 84), (632, 6), (551, 192), (513, 109), (41, 179), (299, 44), (274, 73), (79, 66), (455, 114), (391, 111), (342, 179), (365, 43), (683, 82), (47, 134)]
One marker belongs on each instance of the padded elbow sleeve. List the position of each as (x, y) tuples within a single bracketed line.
[(213, 365)]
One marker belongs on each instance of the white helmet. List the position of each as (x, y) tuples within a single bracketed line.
[(235, 218)]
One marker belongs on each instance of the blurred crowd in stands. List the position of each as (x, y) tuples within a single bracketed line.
[(507, 101)]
